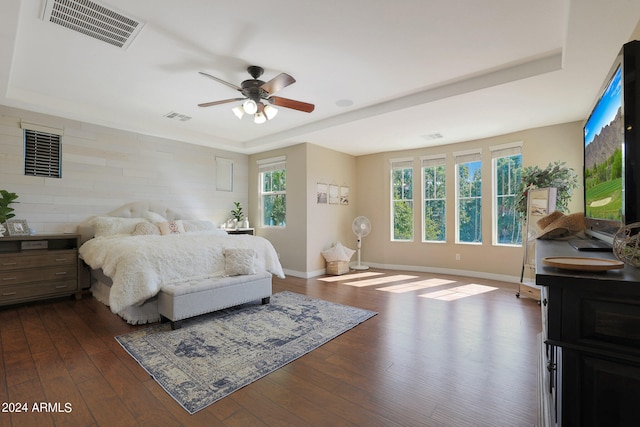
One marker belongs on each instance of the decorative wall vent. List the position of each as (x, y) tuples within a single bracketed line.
[(93, 20), (42, 154)]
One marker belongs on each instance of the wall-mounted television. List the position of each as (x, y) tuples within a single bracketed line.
[(612, 149)]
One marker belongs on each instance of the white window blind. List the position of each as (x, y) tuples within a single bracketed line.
[(433, 161), (404, 163), (468, 157), (506, 150), (272, 164)]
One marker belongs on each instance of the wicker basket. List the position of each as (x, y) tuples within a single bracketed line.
[(337, 267)]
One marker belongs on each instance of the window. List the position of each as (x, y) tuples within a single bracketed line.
[(468, 197), (434, 215), (42, 153), (507, 172), (273, 191), (402, 199)]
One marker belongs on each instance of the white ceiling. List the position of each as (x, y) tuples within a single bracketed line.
[(464, 69)]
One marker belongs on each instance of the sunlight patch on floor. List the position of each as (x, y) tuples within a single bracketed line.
[(458, 292), (349, 277), (379, 280), (414, 286)]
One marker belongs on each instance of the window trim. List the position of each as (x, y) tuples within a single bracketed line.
[(462, 157), (428, 162), (498, 152), (270, 165), (395, 164)]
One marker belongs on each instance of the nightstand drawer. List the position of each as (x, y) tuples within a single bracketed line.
[(14, 277), (38, 259), (9, 294)]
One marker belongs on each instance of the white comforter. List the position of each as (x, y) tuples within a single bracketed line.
[(140, 265)]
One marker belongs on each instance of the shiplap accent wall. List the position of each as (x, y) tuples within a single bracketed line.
[(104, 168)]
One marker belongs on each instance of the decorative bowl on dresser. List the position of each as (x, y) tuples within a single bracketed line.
[(38, 267)]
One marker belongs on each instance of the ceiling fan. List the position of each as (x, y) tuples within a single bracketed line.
[(255, 91)]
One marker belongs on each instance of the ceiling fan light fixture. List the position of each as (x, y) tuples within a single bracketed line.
[(238, 111), (250, 106), (259, 118), (270, 111)]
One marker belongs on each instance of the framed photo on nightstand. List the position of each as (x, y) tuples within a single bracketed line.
[(17, 227)]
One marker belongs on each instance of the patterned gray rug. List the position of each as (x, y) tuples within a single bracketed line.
[(214, 355)]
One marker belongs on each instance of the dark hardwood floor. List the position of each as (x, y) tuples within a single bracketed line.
[(438, 353)]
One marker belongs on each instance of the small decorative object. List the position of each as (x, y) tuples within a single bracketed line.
[(557, 225), (2, 230), (626, 244), (237, 212), (245, 224), (17, 227)]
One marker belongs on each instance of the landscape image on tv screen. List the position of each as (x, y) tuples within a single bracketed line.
[(603, 158)]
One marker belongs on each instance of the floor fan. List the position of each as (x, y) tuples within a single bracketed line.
[(361, 226)]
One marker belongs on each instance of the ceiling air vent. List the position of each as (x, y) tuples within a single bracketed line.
[(432, 136), (93, 20)]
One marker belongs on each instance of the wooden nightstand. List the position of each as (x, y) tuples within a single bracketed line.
[(38, 267), (241, 231)]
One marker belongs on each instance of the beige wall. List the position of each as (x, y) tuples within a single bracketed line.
[(103, 168), (540, 146), (328, 223), (311, 227), (290, 241)]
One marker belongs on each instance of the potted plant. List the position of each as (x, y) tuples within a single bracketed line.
[(237, 213), (6, 211), (555, 175)]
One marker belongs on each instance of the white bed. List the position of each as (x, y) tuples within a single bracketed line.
[(144, 255)]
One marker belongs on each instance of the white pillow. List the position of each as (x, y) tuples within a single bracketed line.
[(239, 261), (171, 227), (154, 217), (197, 225), (109, 225), (338, 253), (146, 229)]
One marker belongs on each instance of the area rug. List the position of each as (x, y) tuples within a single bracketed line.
[(214, 355)]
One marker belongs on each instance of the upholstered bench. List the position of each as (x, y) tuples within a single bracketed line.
[(181, 301)]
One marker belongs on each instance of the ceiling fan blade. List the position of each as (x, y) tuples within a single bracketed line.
[(290, 103), (231, 85), (224, 101), (280, 81)]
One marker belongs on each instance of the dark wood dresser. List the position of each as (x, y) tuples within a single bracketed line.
[(590, 355), (38, 267)]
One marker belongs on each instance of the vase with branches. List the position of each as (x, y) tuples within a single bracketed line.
[(555, 175)]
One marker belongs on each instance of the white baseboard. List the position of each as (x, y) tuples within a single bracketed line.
[(422, 269)]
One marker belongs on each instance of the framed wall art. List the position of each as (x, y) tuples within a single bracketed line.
[(224, 174), (344, 195), (334, 194), (322, 191), (17, 227)]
